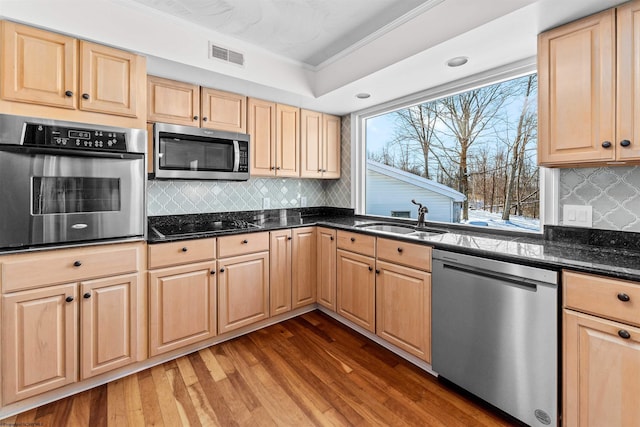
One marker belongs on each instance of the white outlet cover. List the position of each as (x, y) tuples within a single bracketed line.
[(577, 215), (266, 203)]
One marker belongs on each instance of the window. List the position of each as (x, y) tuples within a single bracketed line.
[(469, 157)]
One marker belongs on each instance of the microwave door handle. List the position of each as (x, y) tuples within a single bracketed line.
[(236, 156)]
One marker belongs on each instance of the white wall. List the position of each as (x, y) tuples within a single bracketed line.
[(385, 193)]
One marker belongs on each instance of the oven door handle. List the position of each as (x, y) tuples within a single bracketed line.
[(21, 149)]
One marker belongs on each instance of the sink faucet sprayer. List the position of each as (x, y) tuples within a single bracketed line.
[(422, 211)]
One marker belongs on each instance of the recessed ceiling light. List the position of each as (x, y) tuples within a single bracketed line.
[(363, 95), (457, 61)]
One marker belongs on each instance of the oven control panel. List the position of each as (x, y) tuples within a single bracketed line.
[(74, 138)]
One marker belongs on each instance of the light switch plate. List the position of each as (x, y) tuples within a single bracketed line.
[(303, 202), (577, 215), (266, 203)]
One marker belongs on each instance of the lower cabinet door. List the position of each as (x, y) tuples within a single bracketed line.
[(601, 372), (280, 272), (326, 267), (39, 341), (243, 290), (303, 267), (356, 289), (403, 308), (182, 306), (108, 337)]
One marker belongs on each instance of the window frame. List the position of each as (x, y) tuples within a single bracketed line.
[(549, 178)]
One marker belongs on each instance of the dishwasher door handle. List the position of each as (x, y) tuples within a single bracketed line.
[(520, 282)]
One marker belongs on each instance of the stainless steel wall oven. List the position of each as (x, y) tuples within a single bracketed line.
[(64, 182)]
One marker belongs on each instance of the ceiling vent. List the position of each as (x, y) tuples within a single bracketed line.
[(224, 54)]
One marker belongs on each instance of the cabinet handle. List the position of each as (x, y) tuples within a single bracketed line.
[(245, 241), (289, 238), (331, 238), (624, 334), (370, 268), (85, 96), (68, 94), (400, 250), (77, 263), (625, 143), (319, 170), (185, 249), (68, 299), (222, 270), (87, 295), (204, 119), (353, 239), (606, 144), (195, 117), (278, 168), (212, 272), (377, 271), (623, 297), (272, 168)]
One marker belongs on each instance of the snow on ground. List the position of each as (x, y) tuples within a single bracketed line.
[(494, 220)]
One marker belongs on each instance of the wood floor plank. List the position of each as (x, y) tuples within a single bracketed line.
[(307, 371)]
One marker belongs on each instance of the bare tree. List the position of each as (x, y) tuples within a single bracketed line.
[(416, 125)]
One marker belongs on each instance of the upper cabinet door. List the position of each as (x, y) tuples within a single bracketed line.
[(261, 122), (628, 95), (331, 149), (38, 67), (576, 113), (108, 80), (169, 101), (224, 111), (287, 141), (310, 144)]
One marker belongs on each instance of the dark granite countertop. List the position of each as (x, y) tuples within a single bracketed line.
[(614, 254)]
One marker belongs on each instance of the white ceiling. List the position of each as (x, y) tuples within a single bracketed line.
[(316, 54)]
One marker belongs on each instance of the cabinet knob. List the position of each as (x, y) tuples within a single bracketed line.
[(331, 238), (624, 334), (204, 119), (319, 170), (68, 299), (272, 168), (85, 96), (377, 271), (68, 94), (86, 295), (195, 117), (245, 241), (623, 297), (278, 168), (606, 144), (289, 238), (77, 263), (400, 250), (222, 270), (212, 272), (370, 268), (353, 239), (625, 143), (185, 249)]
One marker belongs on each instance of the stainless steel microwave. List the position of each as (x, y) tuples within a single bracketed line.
[(185, 152)]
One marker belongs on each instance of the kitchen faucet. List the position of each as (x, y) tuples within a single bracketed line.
[(422, 210)]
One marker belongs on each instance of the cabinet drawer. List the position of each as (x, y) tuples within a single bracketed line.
[(602, 296), (183, 252), (355, 242), (240, 244), (24, 271), (409, 254)]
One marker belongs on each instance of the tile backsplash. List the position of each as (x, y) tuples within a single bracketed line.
[(177, 197), (613, 193)]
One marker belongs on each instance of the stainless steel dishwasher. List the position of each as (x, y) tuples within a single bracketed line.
[(495, 333)]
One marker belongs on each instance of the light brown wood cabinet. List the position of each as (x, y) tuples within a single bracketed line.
[(403, 296), (243, 280), (180, 103), (275, 138), (319, 145), (280, 272), (601, 357), (303, 267), (182, 306), (326, 267), (356, 289), (587, 96), (82, 323), (44, 69)]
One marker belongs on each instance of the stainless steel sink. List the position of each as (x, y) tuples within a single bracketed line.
[(389, 228)]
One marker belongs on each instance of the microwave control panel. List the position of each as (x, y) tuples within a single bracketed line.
[(74, 138), (243, 163)]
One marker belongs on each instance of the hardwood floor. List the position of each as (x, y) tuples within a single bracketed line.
[(307, 371)]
